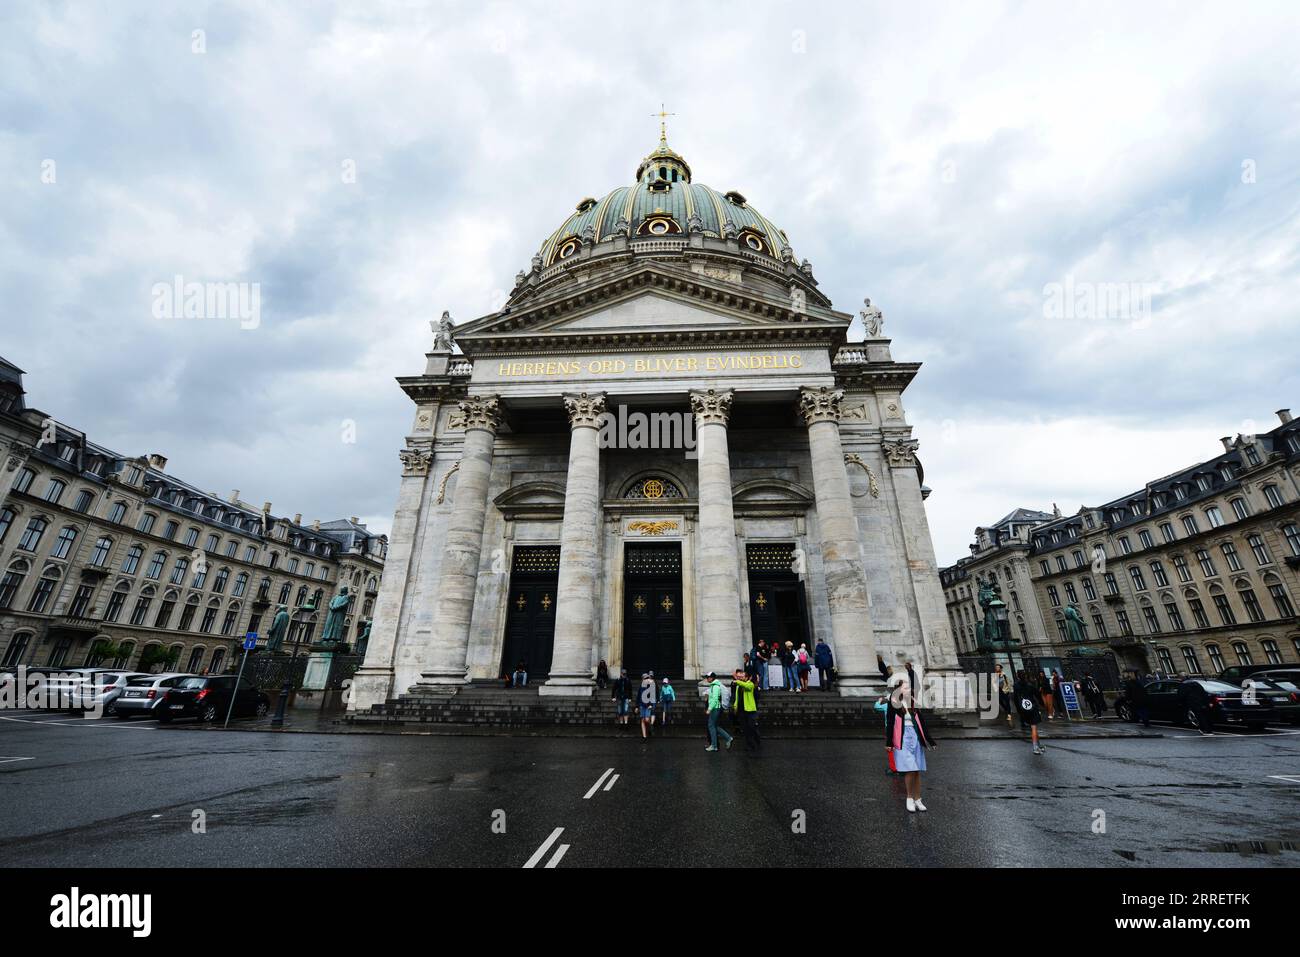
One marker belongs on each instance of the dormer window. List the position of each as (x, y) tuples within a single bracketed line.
[(753, 239), (735, 199), (586, 204), (659, 225), (568, 248)]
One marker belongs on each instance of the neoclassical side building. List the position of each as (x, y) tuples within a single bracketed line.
[(660, 450)]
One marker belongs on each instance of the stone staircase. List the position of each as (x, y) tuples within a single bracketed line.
[(486, 705)]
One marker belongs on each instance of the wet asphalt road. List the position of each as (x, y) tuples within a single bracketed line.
[(103, 793)]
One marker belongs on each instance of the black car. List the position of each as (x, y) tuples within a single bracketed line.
[(1173, 700), (208, 699), (1236, 674), (1284, 685)]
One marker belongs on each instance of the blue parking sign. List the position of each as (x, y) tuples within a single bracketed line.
[(250, 641)]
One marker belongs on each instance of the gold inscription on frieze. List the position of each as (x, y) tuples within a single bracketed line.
[(651, 365)]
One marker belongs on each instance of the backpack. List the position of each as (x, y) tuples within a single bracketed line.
[(803, 656)]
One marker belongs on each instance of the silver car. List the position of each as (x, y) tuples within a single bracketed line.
[(143, 693)]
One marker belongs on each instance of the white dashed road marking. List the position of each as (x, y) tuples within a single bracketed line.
[(555, 858), (611, 782), (599, 781), (1288, 778), (6, 760), (546, 846)]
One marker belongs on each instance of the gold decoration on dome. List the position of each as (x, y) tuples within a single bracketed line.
[(663, 125), (651, 528)]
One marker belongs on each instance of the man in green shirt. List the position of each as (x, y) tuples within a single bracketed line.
[(745, 707), (715, 712)]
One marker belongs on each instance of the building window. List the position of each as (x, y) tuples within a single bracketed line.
[(1180, 566), (1046, 569), (1158, 574), (1145, 538), (11, 582), (213, 543), (1230, 553), (191, 538), (218, 661), (1284, 606), (1100, 624), (196, 660), (228, 624), (232, 547), (1124, 547), (146, 522), (1240, 508), (1198, 613), (219, 583), (241, 583), (1112, 586), (1070, 594), (250, 554), (187, 615), (132, 560), (1253, 609), (1216, 657), (1291, 531), (6, 520), (117, 514), (178, 572), (169, 531), (1270, 651), (1207, 563), (1152, 620), (59, 657), (45, 586), (1273, 496), (284, 594), (63, 544), (1226, 614), (1139, 582), (99, 556), (1259, 550), (32, 535), (156, 565), (200, 576), (141, 609), (1166, 660), (1061, 563), (1214, 516), (24, 481), (1089, 590), (1053, 597), (1167, 531), (1175, 617), (1125, 627), (165, 610), (1203, 483), (1190, 660), (17, 648), (1242, 652), (54, 491), (1189, 524), (81, 601), (115, 603), (209, 616)]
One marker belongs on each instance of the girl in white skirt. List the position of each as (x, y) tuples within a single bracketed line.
[(906, 738)]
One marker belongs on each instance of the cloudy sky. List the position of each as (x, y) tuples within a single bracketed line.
[(370, 165)]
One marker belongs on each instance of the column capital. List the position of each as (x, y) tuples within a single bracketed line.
[(481, 412), (900, 453), (712, 406), (584, 409), (820, 404), (415, 460)]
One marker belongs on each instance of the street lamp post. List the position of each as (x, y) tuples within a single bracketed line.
[(300, 615)]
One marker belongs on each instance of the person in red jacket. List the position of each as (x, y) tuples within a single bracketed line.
[(906, 738)]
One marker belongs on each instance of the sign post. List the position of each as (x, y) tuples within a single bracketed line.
[(250, 642), (1070, 697)]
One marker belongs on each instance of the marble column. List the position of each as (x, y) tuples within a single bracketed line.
[(852, 639), (575, 610), (720, 643), (459, 574)]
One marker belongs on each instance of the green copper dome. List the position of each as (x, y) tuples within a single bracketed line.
[(665, 203)]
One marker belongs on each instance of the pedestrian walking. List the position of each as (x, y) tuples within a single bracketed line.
[(714, 709), (602, 675), (1058, 679), (1135, 691), (1092, 691), (622, 697), (1002, 684), (667, 698), (763, 659), (825, 663), (906, 738), (787, 667), (646, 702), (803, 663), (1045, 695), (1195, 701), (744, 706), (1026, 692)]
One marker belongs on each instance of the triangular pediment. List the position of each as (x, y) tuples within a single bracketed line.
[(651, 303)]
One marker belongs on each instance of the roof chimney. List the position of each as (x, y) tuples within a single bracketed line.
[(266, 507), (1284, 415), (1227, 443), (315, 524), (354, 520), (160, 461), (234, 495), (297, 519)]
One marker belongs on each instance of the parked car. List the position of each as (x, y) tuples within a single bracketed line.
[(1284, 684), (1167, 700), (207, 699), (86, 689), (1236, 674), (144, 694)]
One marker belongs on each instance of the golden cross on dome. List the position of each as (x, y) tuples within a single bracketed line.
[(663, 126)]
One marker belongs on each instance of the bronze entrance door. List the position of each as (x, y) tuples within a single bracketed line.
[(530, 621), (778, 604), (652, 609)]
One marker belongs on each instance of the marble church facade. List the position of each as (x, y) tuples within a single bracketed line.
[(776, 492)]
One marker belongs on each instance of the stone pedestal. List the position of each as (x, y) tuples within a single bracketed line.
[(575, 611), (721, 643), (852, 640), (464, 542)]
